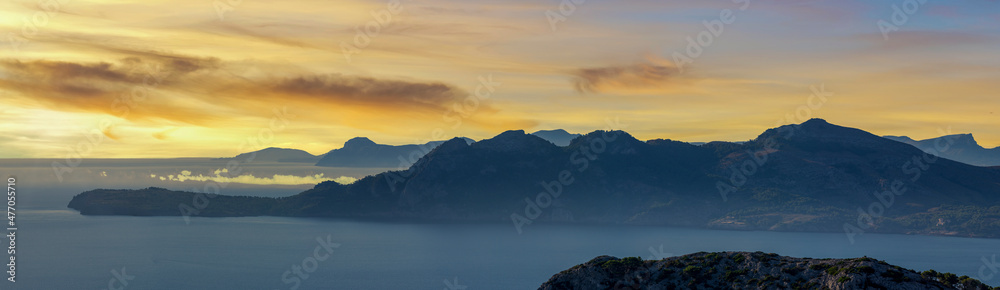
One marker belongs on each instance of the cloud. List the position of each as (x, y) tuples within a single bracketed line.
[(209, 92), (343, 89), (255, 33), (67, 71), (81, 83), (107, 131), (109, 88), (222, 176), (632, 76), (163, 135)]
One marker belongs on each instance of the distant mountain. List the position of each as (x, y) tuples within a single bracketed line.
[(363, 152), (559, 136), (742, 270), (808, 177), (276, 155), (960, 147)]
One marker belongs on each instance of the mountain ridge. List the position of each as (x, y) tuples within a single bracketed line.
[(363, 152), (959, 147), (805, 177)]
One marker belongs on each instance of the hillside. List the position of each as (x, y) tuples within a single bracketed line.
[(742, 270)]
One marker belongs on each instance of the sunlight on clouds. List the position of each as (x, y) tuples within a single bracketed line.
[(222, 176), (224, 76)]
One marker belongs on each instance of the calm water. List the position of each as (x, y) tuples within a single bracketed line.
[(60, 249)]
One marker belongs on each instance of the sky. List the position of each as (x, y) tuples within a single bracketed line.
[(211, 78)]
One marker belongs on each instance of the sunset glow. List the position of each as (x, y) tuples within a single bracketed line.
[(198, 78)]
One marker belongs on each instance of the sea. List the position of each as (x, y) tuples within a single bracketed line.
[(57, 248)]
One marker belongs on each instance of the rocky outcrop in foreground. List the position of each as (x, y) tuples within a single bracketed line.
[(742, 270)]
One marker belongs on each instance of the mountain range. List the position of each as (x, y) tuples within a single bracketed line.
[(363, 152), (959, 147), (813, 176)]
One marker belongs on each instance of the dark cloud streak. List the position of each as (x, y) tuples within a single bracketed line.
[(598, 79), (96, 87)]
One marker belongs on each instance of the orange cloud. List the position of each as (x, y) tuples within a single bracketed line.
[(163, 135), (107, 132), (205, 92)]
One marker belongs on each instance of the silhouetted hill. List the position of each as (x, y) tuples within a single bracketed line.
[(559, 136), (819, 170), (362, 152), (808, 177), (273, 154), (960, 147), (743, 270)]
